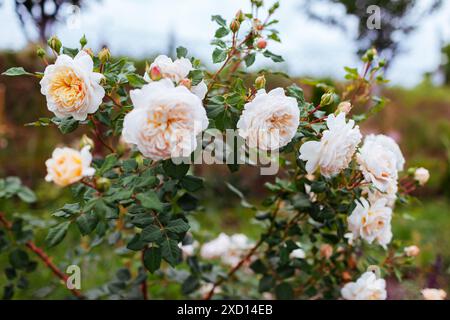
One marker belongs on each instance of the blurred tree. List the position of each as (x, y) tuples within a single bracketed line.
[(397, 19), (42, 13), (445, 66)]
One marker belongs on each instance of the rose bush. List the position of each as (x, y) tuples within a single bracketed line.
[(328, 216)]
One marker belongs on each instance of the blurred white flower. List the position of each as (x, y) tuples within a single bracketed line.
[(188, 249), (67, 166), (297, 254), (165, 120), (380, 160), (270, 120), (230, 249), (367, 287), (372, 222), (71, 87), (390, 195), (433, 294), (412, 251), (421, 175), (335, 149)]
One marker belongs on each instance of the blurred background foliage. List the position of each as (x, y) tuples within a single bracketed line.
[(418, 118)]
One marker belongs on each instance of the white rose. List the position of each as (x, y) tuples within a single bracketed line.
[(71, 87), (367, 287), (371, 221), (379, 162), (421, 175), (434, 294), (216, 247), (390, 195), (230, 249), (165, 120), (67, 166), (335, 149), (412, 251), (270, 120), (188, 249), (391, 145)]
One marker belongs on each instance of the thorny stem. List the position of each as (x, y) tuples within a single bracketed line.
[(247, 256), (99, 135), (47, 260)]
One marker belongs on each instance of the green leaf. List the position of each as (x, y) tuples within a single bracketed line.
[(72, 52), (151, 234), (108, 164), (190, 284), (66, 125), (192, 183), (150, 200), (87, 223), (16, 71), (284, 291), (27, 195), (68, 210), (250, 59), (57, 233), (221, 32), (170, 251), (136, 80), (19, 259), (219, 55), (135, 243), (221, 21), (274, 57), (196, 76), (152, 259), (175, 171), (177, 226), (266, 283), (181, 52)]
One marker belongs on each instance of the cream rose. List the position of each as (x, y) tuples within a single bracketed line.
[(335, 149), (412, 251), (433, 294), (390, 195), (67, 166), (71, 87), (165, 120), (230, 249), (372, 222), (421, 175), (270, 120), (379, 160), (177, 71), (367, 287)]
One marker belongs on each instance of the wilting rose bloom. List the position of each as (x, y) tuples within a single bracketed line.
[(67, 166), (367, 287), (177, 71), (412, 251), (390, 195), (230, 249), (421, 175), (433, 294), (380, 160), (372, 222), (335, 149), (270, 120), (165, 120), (71, 87)]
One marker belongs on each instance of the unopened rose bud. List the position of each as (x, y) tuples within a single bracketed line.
[(327, 99), (89, 52), (186, 82), (261, 43), (346, 276), (104, 55), (103, 184), (155, 73), (370, 55), (257, 25), (86, 141), (235, 25), (83, 41), (239, 16), (326, 251), (40, 52), (55, 44), (139, 160), (412, 251), (275, 6), (258, 3), (260, 82), (421, 175), (344, 106), (382, 63)]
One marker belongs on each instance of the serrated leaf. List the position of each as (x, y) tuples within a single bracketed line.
[(192, 183), (221, 21), (151, 233), (177, 226), (219, 55), (170, 251), (175, 171), (86, 223), (26, 195), (250, 59), (16, 71), (274, 57), (221, 32), (181, 52), (150, 200), (152, 259), (57, 233)]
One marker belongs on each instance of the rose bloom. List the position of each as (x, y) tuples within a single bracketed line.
[(412, 251), (367, 287), (230, 249), (67, 166), (434, 294), (421, 175), (177, 71), (270, 120), (390, 195), (335, 149), (380, 160), (371, 221), (71, 87), (297, 254), (165, 120)]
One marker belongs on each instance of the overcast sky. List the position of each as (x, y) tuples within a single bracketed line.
[(142, 28)]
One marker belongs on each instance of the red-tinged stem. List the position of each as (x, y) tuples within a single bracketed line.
[(315, 109), (144, 283)]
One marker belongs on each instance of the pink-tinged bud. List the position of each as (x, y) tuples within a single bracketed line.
[(155, 73), (89, 52), (240, 16), (260, 82), (235, 25), (345, 107), (326, 251), (412, 251), (186, 82), (261, 43), (258, 25)]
